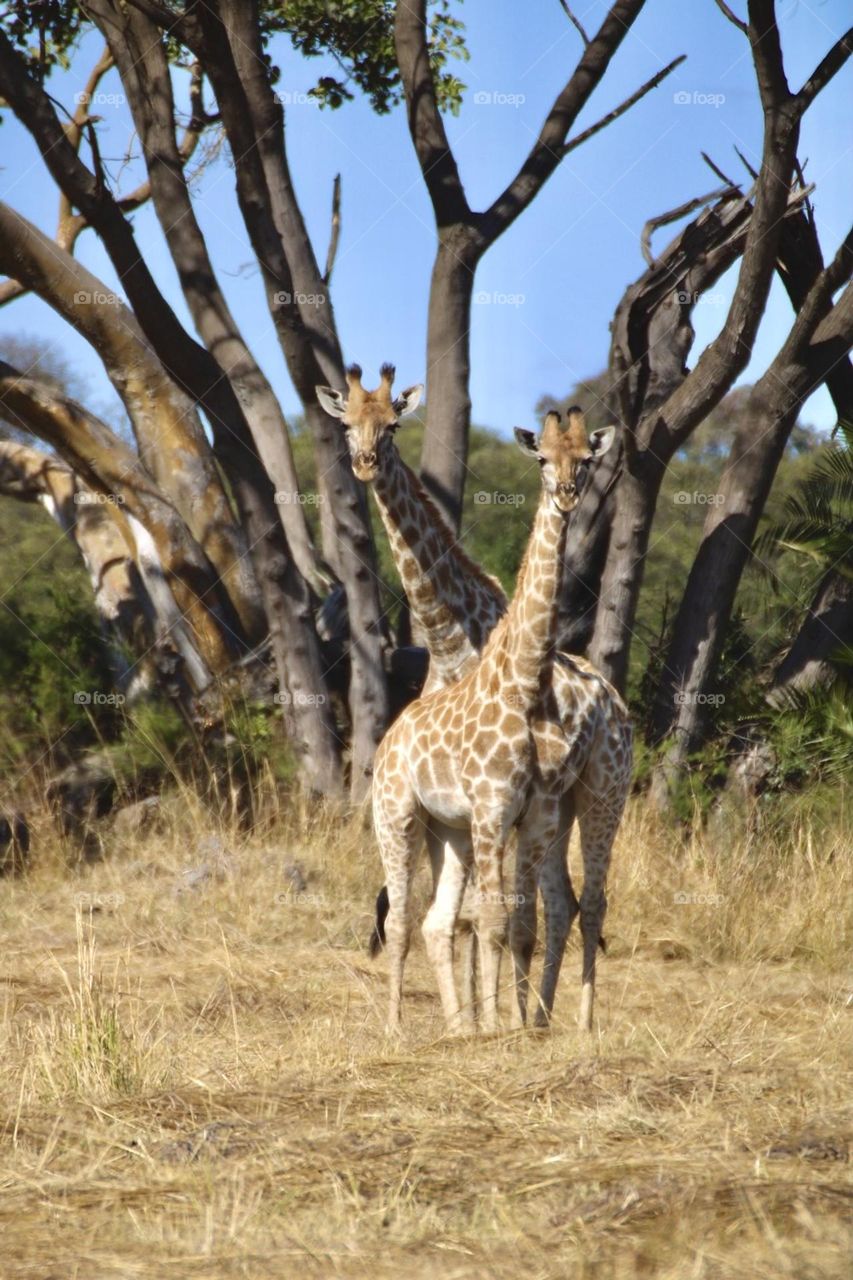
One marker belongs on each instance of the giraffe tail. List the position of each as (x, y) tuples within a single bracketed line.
[(377, 937)]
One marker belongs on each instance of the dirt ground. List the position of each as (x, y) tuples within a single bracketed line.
[(196, 1082)]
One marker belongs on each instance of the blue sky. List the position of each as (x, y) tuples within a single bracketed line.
[(548, 289)]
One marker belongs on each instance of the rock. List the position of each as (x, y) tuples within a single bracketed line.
[(295, 875), (218, 867), (139, 818), (80, 795)]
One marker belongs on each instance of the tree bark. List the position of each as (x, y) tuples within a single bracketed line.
[(448, 419), (122, 603), (633, 512), (292, 632), (815, 350), (172, 443), (305, 329), (808, 665), (139, 55)]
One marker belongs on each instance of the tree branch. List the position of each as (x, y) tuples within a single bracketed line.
[(690, 206), (576, 23), (70, 225), (732, 17), (624, 106), (547, 151), (825, 70), (438, 164), (335, 231)]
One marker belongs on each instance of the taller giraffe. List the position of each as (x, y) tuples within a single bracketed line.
[(490, 753), (439, 577)]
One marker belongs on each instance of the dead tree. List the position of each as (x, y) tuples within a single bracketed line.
[(660, 410), (814, 351)]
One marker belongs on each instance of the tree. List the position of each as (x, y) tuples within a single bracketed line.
[(465, 235), (815, 351)]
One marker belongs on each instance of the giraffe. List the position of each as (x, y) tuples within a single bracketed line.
[(436, 571), (429, 560), (490, 753)]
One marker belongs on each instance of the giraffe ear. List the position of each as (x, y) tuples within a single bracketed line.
[(527, 442), (407, 401), (601, 440), (332, 401)]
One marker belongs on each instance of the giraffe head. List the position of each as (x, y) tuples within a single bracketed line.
[(565, 454), (370, 418)]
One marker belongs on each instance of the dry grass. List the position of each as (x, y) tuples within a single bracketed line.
[(195, 1082)]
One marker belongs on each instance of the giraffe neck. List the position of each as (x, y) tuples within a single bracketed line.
[(531, 624), (454, 605)]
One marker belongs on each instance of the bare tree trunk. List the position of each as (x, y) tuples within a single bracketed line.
[(633, 513), (172, 443), (827, 627), (292, 631), (122, 604), (445, 447), (108, 467), (305, 327), (817, 343), (140, 57)]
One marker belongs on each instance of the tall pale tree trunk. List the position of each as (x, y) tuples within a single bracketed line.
[(301, 310), (122, 604), (292, 633), (108, 467), (172, 443), (140, 57)]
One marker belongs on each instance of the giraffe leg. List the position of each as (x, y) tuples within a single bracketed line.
[(468, 970), (561, 907), (492, 917), (464, 931), (599, 815), (440, 923), (522, 927), (400, 836)]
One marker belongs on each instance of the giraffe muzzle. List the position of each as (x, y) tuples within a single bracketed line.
[(365, 464)]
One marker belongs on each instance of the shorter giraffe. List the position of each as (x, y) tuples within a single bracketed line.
[(490, 753)]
